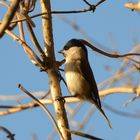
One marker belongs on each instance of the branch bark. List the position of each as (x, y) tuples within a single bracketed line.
[(19, 108), (8, 17), (52, 71)]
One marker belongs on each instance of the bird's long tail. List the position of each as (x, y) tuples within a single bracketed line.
[(104, 115)]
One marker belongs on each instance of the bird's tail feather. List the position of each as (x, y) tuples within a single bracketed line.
[(104, 115)]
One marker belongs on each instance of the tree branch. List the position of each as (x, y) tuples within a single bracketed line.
[(52, 71), (18, 108), (43, 107), (8, 17), (9, 134)]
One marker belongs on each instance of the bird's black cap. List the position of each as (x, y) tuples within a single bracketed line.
[(74, 42)]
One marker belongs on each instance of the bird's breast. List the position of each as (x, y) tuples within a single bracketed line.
[(76, 83)]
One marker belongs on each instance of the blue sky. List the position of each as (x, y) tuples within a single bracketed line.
[(111, 24)]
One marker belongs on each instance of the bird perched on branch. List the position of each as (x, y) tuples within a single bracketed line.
[(79, 76)]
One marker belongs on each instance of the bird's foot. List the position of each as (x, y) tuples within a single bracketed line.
[(60, 98)]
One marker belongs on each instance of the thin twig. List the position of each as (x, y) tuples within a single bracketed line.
[(81, 134), (35, 41), (103, 93), (9, 134), (119, 90), (121, 113), (20, 26), (30, 53), (100, 2), (11, 97), (24, 13), (105, 53), (43, 107), (63, 12), (131, 100), (8, 16)]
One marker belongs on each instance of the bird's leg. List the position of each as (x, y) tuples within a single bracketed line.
[(59, 98)]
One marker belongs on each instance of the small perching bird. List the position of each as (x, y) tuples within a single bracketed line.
[(79, 76)]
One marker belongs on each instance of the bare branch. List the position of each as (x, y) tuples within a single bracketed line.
[(52, 71), (91, 8), (119, 90), (6, 97), (20, 26), (43, 107), (9, 134), (30, 53), (131, 100), (18, 108), (105, 53), (8, 17), (132, 6), (83, 134), (35, 41)]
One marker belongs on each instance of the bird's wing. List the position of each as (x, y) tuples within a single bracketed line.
[(85, 68), (88, 75)]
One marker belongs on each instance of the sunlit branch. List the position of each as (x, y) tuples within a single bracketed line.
[(117, 90), (85, 135), (43, 107), (8, 16), (91, 8), (132, 6)]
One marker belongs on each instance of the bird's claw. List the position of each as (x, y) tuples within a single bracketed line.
[(60, 98)]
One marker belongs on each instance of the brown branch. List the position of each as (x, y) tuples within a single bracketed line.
[(119, 90), (9, 134), (35, 41), (20, 26), (103, 93), (132, 6), (121, 72), (43, 107), (83, 134), (131, 100), (121, 113), (91, 8), (19, 108), (101, 1), (8, 17), (52, 71), (105, 53), (137, 91), (24, 12), (39, 94)]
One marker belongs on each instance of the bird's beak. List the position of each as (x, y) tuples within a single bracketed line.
[(61, 51)]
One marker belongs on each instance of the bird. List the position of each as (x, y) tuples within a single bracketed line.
[(79, 76)]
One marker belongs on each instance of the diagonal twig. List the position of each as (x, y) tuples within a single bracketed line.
[(81, 134), (9, 134), (43, 107)]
